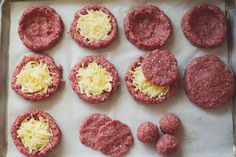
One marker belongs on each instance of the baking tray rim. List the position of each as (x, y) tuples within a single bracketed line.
[(4, 70)]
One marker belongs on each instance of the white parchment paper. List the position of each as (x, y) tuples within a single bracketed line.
[(204, 133)]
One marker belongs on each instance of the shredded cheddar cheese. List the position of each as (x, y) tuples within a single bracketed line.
[(34, 134), (140, 83), (95, 25), (34, 77), (94, 80)]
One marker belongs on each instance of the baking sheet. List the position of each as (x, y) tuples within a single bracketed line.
[(204, 133)]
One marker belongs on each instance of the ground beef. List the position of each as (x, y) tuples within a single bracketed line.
[(139, 96), (170, 124), (160, 67), (94, 44), (147, 27), (205, 26), (114, 139), (105, 64), (54, 141), (56, 74), (40, 28), (89, 129), (167, 144), (208, 82), (147, 132)]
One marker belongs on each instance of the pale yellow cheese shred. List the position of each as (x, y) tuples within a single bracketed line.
[(34, 77), (93, 80), (95, 25), (35, 134)]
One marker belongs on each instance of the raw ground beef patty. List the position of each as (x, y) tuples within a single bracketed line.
[(147, 27), (54, 140), (111, 137), (105, 64), (94, 44), (205, 26), (208, 81), (89, 129), (114, 139), (142, 97), (55, 73), (160, 67), (40, 28)]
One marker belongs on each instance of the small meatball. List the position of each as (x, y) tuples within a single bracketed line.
[(167, 144), (170, 124), (147, 132)]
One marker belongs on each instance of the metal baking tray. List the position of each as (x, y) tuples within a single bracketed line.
[(4, 56)]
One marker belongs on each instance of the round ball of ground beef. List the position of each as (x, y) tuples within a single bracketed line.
[(147, 132), (170, 124), (167, 144)]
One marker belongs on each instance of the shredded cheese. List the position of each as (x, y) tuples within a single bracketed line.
[(140, 83), (95, 25), (94, 80), (34, 134), (34, 77)]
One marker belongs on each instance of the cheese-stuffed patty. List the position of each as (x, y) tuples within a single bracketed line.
[(36, 77), (94, 27), (35, 133), (143, 90), (143, 85), (94, 79)]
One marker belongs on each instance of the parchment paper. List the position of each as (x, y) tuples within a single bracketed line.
[(204, 133)]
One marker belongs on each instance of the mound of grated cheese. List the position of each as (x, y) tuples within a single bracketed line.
[(34, 77), (93, 80), (95, 25), (34, 134), (140, 83)]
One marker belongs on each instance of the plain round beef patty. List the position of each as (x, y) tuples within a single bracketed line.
[(160, 67), (89, 129), (208, 81), (114, 139)]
